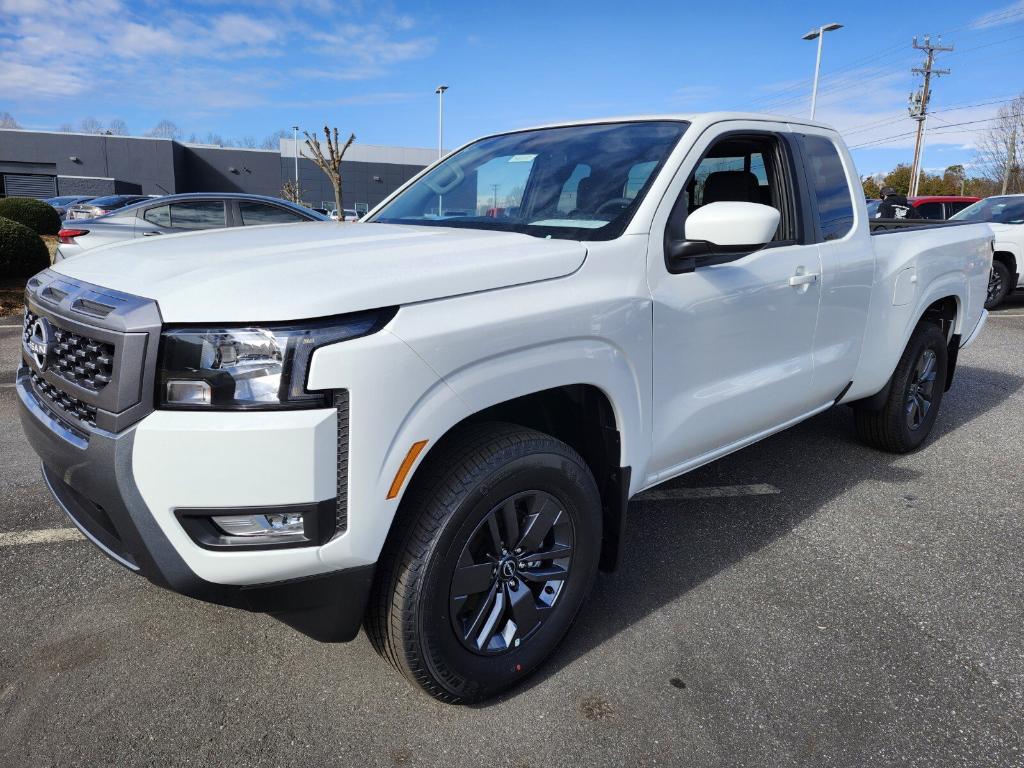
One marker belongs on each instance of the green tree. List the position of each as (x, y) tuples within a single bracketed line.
[(871, 188), (898, 178)]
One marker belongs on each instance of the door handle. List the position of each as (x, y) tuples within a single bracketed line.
[(803, 279), (151, 234)]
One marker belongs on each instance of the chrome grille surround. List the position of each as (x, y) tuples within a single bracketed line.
[(99, 364)]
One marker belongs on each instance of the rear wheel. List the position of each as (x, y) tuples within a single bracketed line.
[(998, 285), (498, 548), (905, 420)]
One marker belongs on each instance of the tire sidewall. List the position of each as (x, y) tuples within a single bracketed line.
[(471, 676)]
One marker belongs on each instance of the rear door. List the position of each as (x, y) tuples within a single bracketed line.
[(847, 260), (733, 342)]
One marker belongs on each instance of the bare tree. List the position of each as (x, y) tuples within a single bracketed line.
[(7, 121), (165, 129), (331, 163), (273, 141), (66, 128), (117, 127), (247, 142), (1001, 151), (291, 191), (90, 125)]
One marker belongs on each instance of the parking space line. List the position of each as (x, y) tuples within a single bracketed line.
[(40, 536), (716, 492), (1004, 314)]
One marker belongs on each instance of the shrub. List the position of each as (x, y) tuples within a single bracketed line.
[(22, 251), (34, 214)]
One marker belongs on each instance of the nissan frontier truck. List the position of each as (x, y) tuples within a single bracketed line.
[(430, 424)]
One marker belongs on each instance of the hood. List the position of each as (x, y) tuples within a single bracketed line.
[(297, 271)]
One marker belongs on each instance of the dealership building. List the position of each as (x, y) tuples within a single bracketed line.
[(44, 164)]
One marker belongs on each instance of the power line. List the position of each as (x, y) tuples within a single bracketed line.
[(904, 135)]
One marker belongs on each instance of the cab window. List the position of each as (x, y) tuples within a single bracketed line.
[(745, 168)]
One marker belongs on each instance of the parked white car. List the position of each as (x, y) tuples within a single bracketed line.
[(351, 214), (1005, 214), (434, 423)]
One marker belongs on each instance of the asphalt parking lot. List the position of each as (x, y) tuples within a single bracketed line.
[(837, 606)]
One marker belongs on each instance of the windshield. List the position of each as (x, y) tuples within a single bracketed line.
[(577, 182), (1000, 210), (873, 208)]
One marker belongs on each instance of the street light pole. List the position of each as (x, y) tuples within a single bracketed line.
[(819, 35), (295, 148), (440, 137), (440, 119)]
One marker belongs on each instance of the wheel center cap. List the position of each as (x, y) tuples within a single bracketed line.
[(507, 568)]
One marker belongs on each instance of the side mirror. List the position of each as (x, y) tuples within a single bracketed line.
[(717, 233)]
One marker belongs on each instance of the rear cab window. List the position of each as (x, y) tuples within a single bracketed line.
[(830, 188)]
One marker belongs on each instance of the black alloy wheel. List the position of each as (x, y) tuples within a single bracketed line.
[(921, 389), (511, 573), (491, 557)]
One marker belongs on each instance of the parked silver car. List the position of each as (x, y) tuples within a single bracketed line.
[(61, 203), (98, 206), (178, 213)]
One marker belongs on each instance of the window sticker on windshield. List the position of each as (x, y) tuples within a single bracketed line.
[(521, 158)]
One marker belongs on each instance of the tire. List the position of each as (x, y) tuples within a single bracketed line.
[(462, 648), (998, 285), (915, 394)]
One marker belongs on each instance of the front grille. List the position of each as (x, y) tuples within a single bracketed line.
[(76, 358), (341, 404), (98, 360), (62, 401)]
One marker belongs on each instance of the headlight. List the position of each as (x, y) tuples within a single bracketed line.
[(251, 367)]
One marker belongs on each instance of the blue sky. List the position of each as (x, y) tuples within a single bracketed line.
[(249, 69)]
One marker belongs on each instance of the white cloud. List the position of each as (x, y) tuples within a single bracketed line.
[(1011, 14), (214, 58), (44, 81), (695, 94)]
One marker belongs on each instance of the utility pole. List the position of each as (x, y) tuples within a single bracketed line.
[(919, 102), (495, 188), (1011, 160)]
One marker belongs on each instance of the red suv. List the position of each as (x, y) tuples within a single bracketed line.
[(941, 206)]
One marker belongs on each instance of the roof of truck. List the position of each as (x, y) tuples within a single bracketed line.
[(704, 118)]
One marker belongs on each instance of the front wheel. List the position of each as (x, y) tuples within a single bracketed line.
[(915, 394), (498, 548), (998, 285)]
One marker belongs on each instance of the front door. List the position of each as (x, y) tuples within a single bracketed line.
[(733, 342)]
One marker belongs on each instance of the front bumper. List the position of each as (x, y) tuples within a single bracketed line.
[(92, 477)]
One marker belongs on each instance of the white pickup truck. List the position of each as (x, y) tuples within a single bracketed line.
[(1005, 214), (430, 423)]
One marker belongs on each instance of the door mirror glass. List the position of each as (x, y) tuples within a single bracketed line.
[(733, 223)]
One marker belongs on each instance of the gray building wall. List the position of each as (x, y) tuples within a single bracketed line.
[(120, 164)]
